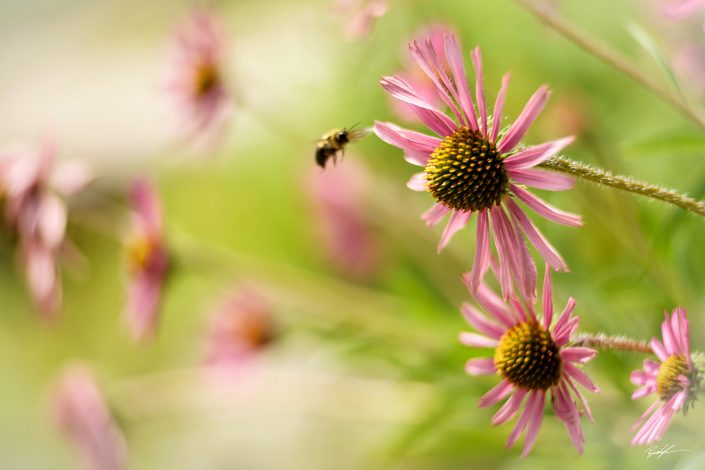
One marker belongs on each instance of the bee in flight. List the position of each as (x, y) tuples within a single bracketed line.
[(334, 142)]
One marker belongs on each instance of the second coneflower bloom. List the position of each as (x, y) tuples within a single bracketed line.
[(473, 166), (147, 259), (196, 77), (672, 380), (532, 357)]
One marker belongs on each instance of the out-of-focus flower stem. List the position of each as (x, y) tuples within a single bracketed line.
[(602, 341), (625, 183), (612, 58)]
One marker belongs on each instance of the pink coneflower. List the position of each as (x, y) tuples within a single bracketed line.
[(679, 9), (195, 78), (148, 260), (337, 196), (33, 187), (417, 79), (84, 418), (532, 357), (475, 167), (241, 327), (361, 15), (672, 380)]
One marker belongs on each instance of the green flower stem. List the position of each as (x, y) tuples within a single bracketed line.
[(625, 183), (612, 58), (602, 341)]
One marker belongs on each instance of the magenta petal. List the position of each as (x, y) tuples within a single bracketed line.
[(482, 252), (501, 390), (577, 354), (658, 349), (455, 59), (483, 366), (534, 155), (523, 420), (544, 209), (70, 178), (417, 182), (532, 109), (510, 408), (532, 430), (435, 214), (481, 322), (669, 339), (681, 8), (146, 205), (542, 179), (548, 252), (499, 107), (547, 299), (51, 219), (495, 306), (474, 340), (144, 294), (565, 315), (457, 221), (580, 376), (479, 88), (429, 115), (405, 139)]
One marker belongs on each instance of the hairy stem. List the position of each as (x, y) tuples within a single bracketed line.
[(625, 183), (616, 343), (612, 58)]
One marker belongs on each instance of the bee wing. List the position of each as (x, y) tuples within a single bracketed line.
[(359, 134)]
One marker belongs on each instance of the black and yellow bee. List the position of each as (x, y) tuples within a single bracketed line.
[(334, 141)]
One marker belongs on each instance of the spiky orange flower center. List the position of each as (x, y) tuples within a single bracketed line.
[(528, 357), (466, 172), (207, 78), (667, 383)]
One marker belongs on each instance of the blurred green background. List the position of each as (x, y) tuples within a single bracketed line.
[(366, 373)]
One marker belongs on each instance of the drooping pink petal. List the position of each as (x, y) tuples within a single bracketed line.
[(567, 411), (435, 214), (494, 305), (580, 376), (510, 408), (481, 322), (143, 298), (532, 430), (549, 253), (417, 182), (542, 179), (544, 209), (547, 299), (580, 396), (429, 115), (144, 201), (532, 109), (477, 341), (499, 107), (406, 139), (71, 177), (537, 154), (498, 393), (51, 220), (529, 410), (483, 366), (679, 9), (457, 221), (504, 242), (482, 252)]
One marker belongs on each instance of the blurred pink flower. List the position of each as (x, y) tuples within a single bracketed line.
[(417, 79), (476, 168), (532, 356), (147, 259), (361, 15), (241, 327), (338, 197), (671, 380), (195, 78), (679, 9), (84, 418), (33, 187)]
